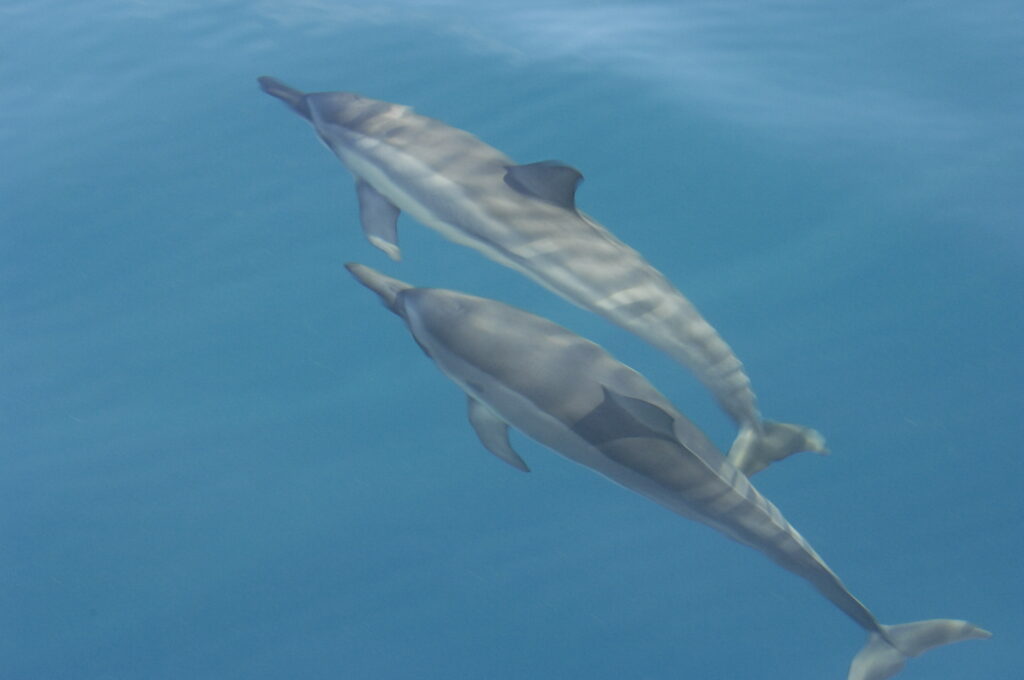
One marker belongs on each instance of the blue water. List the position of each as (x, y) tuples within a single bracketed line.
[(221, 458)]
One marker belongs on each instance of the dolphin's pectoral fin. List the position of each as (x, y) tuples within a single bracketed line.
[(547, 180), (493, 433), (380, 219), (619, 416)]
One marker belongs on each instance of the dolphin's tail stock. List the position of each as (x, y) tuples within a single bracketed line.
[(884, 657), (753, 451), (289, 95)]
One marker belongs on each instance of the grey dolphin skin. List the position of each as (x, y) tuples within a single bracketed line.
[(567, 393), (525, 217)]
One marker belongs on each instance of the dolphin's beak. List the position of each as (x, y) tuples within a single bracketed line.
[(289, 95), (385, 287)]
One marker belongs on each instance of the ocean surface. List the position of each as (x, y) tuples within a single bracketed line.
[(220, 457)]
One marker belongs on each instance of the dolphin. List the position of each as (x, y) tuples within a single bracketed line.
[(525, 217), (569, 394)]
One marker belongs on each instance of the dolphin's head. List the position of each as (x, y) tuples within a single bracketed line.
[(436, 311), (433, 309), (464, 325), (337, 115), (435, 317)]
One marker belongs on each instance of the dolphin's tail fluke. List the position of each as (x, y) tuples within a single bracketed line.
[(753, 451), (883, 658), (289, 95)]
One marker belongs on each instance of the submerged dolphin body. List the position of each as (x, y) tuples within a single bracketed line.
[(525, 217), (570, 395)]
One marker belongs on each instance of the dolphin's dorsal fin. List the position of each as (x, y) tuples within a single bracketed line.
[(380, 219), (493, 433), (619, 416), (547, 180), (652, 416)]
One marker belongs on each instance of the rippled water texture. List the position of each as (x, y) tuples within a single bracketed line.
[(221, 458)]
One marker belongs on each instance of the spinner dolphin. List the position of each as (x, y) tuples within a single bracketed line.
[(567, 393)]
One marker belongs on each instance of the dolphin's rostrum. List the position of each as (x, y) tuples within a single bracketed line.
[(525, 217), (570, 395)]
